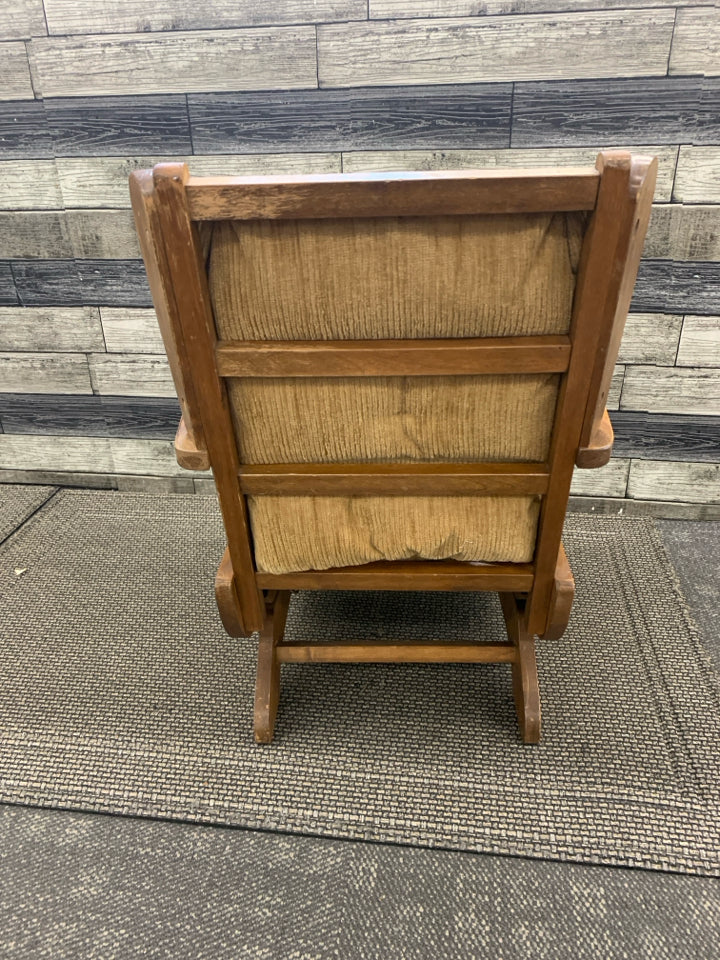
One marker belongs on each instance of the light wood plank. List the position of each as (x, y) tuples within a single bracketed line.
[(15, 82), (699, 342), (74, 454), (356, 162), (665, 480), (55, 329), (34, 234), (146, 458), (684, 233), (131, 330), (44, 373), (651, 338), (698, 175), (29, 185), (22, 19), (696, 42), (616, 385), (545, 47), (398, 9), (102, 234), (154, 485), (265, 59), (671, 390), (103, 181), (608, 481), (131, 376), (138, 16)]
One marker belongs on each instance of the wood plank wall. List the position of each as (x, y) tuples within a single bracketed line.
[(89, 92)]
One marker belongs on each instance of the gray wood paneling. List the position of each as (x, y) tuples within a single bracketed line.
[(90, 416), (130, 330), (664, 286), (613, 400), (93, 481), (8, 294), (102, 234), (593, 44), (29, 185), (80, 454), (671, 390), (664, 480), (698, 175), (53, 329), (35, 233), (397, 9), (44, 373), (24, 131), (651, 338), (119, 283), (684, 233), (131, 376), (147, 458), (22, 19), (666, 436), (699, 342), (15, 83), (271, 58), (608, 481), (696, 42), (155, 485), (131, 16)]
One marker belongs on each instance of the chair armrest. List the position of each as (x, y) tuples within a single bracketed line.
[(599, 449), (187, 453)]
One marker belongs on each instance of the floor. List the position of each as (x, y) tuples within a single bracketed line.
[(83, 885)]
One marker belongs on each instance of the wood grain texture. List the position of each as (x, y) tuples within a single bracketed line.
[(56, 329), (8, 294), (473, 115), (650, 338), (354, 162), (699, 342), (672, 390), (29, 185), (145, 458), (678, 510), (684, 233), (121, 64), (588, 112), (131, 330), (15, 82), (62, 282), (696, 42), (103, 181), (117, 126), (397, 9), (147, 418), (664, 286), (664, 436), (22, 19), (131, 376), (608, 481), (613, 399), (544, 47), (687, 482), (24, 131), (698, 175), (35, 233), (44, 373), (102, 234), (137, 16)]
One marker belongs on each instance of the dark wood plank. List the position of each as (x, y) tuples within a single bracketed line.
[(24, 131), (400, 358), (117, 283), (119, 126), (666, 436), (408, 652), (596, 112), (432, 117), (147, 418), (394, 479), (678, 287), (8, 294), (707, 121)]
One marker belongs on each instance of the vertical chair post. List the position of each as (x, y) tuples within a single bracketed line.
[(267, 684)]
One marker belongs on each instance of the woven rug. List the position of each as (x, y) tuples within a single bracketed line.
[(120, 692)]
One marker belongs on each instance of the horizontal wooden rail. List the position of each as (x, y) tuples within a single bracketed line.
[(341, 652), (394, 479), (407, 575), (430, 193), (392, 358)]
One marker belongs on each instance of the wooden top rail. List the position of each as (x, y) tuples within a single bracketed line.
[(398, 358)]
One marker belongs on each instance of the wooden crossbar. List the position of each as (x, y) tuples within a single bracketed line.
[(334, 651), (400, 358), (394, 479)]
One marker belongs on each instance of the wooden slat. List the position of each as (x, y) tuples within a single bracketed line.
[(699, 342), (394, 479), (609, 481), (132, 376), (651, 338), (698, 175), (45, 373), (103, 234), (29, 185), (22, 19), (131, 330), (146, 418), (407, 575), (60, 282), (55, 329), (15, 83), (34, 233), (401, 358), (689, 287), (339, 652), (392, 195), (666, 436), (686, 482), (696, 42), (672, 390)]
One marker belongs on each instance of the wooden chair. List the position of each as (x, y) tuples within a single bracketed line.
[(362, 359)]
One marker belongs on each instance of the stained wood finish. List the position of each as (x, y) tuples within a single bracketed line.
[(561, 599), (600, 445), (187, 452), (526, 689), (394, 479), (267, 686), (228, 602), (24, 132), (411, 652)]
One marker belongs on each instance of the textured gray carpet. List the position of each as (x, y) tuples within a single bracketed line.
[(17, 503), (121, 692)]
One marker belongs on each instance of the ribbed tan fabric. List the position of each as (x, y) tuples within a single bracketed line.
[(315, 533), (394, 277), (337, 420)]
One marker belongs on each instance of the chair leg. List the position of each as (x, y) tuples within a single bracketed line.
[(267, 684), (526, 688), (561, 599)]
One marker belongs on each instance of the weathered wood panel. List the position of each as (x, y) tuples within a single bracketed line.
[(8, 294), (56, 329), (130, 330), (102, 234), (665, 436), (29, 185), (479, 159), (699, 342), (696, 42), (664, 480), (671, 390), (684, 233), (651, 338), (138, 16), (147, 458), (155, 485), (147, 418), (35, 233), (120, 283), (264, 59), (103, 181), (608, 481), (585, 113), (698, 175), (476, 115), (616, 384), (134, 376), (118, 126), (24, 131), (44, 373), (544, 47), (397, 9), (15, 83), (94, 481), (79, 454), (664, 286), (22, 19)]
